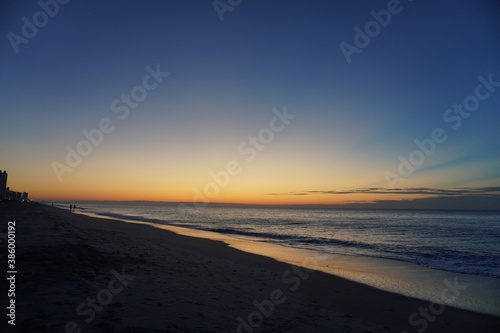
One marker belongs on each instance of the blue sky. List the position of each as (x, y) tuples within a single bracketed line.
[(353, 119)]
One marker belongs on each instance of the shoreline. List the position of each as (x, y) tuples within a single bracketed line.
[(183, 283), (477, 293)]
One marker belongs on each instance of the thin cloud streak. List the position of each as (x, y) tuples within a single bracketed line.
[(471, 191)]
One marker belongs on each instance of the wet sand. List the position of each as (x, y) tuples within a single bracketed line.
[(78, 273)]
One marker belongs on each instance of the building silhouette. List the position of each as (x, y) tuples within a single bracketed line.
[(7, 194), (3, 184)]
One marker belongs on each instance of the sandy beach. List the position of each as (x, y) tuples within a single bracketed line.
[(81, 274)]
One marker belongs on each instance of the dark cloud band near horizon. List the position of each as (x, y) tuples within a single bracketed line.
[(462, 191)]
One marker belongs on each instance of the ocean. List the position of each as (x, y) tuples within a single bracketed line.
[(465, 242)]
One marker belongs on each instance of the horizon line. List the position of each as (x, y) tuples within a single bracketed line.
[(378, 205)]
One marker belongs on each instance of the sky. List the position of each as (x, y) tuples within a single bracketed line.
[(258, 102)]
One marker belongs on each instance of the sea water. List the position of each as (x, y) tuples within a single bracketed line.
[(417, 253), (457, 241)]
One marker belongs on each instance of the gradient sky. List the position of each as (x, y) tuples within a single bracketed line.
[(353, 120)]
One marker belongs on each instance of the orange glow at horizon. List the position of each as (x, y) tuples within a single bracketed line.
[(195, 195), (268, 180), (128, 184)]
